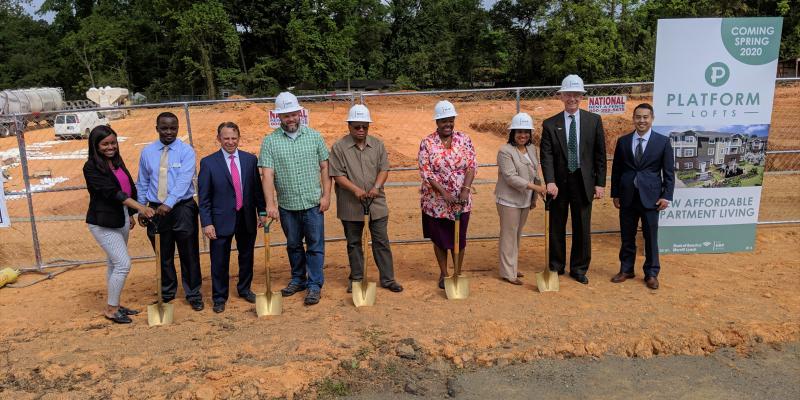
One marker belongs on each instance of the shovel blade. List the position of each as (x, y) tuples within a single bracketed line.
[(547, 281), (159, 314), (456, 287), (269, 303), (364, 296)]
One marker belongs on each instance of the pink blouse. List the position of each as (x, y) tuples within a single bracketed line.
[(448, 167), (124, 182)]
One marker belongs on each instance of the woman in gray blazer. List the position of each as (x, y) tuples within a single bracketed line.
[(518, 183)]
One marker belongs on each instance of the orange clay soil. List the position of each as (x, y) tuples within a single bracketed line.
[(54, 339)]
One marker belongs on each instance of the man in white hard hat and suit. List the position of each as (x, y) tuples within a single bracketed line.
[(359, 164), (573, 157), (297, 188)]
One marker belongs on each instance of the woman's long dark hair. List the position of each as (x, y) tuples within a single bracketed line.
[(95, 137)]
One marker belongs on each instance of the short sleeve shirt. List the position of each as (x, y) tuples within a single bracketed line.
[(296, 166), (362, 168), (449, 168)]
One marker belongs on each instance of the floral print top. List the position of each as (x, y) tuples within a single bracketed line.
[(448, 167)]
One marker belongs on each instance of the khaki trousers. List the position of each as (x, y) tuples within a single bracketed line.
[(512, 221)]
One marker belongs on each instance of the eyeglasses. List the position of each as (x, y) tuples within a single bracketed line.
[(360, 127)]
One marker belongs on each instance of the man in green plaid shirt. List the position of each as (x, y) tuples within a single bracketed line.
[(294, 164)]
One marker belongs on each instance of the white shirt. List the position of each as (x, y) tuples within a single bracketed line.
[(236, 161), (567, 121), (635, 141)]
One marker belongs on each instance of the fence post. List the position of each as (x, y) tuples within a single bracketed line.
[(23, 160), (517, 100), (361, 99), (191, 143), (352, 99), (188, 123)]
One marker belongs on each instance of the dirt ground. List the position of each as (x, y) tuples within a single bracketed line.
[(55, 341), (768, 372), (55, 344)]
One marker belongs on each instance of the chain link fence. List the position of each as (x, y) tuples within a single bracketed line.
[(47, 200)]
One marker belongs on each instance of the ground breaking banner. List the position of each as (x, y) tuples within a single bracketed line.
[(714, 83)]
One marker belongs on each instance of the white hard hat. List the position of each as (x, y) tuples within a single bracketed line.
[(444, 109), (521, 121), (358, 113), (286, 103), (572, 83)]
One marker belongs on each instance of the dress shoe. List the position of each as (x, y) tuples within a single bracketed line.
[(651, 282), (119, 318), (291, 289), (249, 297), (560, 271), (219, 307), (128, 311), (312, 297), (441, 282), (197, 304), (520, 275), (580, 278), (622, 277), (513, 282), (349, 286), (394, 287)]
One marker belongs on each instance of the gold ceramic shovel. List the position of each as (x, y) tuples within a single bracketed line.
[(547, 280), (269, 302), (364, 292), (159, 313), (456, 286)]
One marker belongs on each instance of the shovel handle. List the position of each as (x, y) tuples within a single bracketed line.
[(267, 252), (267, 225), (366, 204)]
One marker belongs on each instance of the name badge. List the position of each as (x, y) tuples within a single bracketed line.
[(176, 165)]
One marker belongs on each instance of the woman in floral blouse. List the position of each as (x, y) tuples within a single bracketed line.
[(447, 167)]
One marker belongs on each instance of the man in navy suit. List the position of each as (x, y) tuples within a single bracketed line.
[(642, 182), (230, 194)]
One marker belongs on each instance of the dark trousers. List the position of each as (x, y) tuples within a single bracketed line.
[(571, 199), (220, 251), (628, 222), (381, 252), (179, 227)]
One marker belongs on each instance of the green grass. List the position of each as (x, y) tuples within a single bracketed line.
[(333, 388)]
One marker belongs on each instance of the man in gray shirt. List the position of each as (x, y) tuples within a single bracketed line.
[(359, 165)]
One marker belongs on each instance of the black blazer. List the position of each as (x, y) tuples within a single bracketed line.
[(592, 151), (106, 196), (655, 174)]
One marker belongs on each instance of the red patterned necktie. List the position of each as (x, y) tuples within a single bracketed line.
[(237, 183)]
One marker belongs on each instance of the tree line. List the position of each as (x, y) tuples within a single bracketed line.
[(165, 48)]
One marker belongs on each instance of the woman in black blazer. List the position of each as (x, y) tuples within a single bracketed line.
[(112, 195)]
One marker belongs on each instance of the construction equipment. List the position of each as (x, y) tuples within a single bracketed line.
[(32, 105), (547, 280), (110, 97), (159, 313), (364, 292), (456, 286), (269, 302)]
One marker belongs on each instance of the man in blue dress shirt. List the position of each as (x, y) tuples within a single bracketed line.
[(166, 170)]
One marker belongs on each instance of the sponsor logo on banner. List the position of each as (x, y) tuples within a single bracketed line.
[(275, 122), (714, 85), (607, 104)]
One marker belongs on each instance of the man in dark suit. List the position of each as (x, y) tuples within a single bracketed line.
[(642, 182), (573, 157), (230, 194)]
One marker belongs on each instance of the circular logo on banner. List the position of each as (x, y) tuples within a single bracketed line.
[(717, 74), (753, 41)]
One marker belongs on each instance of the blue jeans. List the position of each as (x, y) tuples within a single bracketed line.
[(306, 262)]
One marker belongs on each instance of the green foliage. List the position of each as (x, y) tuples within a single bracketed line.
[(333, 388), (168, 48)]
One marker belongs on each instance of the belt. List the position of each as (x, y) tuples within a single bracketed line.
[(156, 204)]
